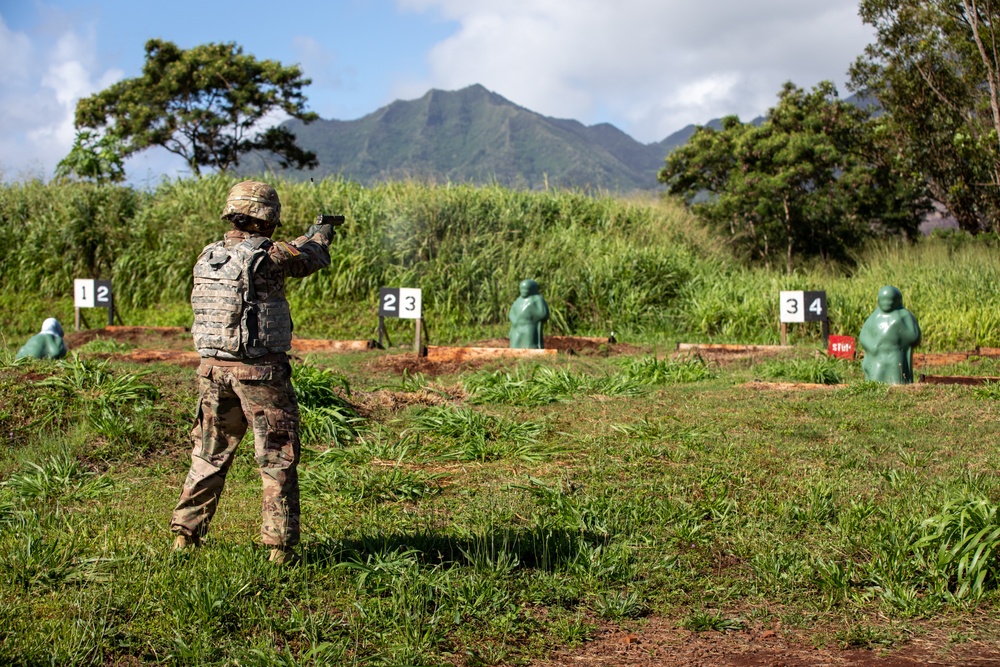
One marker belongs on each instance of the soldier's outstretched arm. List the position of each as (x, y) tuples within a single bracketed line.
[(304, 255)]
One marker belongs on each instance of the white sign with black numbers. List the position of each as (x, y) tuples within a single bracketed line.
[(402, 302), (91, 293), (409, 303), (802, 306), (83, 293)]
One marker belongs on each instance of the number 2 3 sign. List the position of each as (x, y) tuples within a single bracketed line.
[(803, 306), (399, 302)]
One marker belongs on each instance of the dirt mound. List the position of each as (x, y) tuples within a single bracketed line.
[(585, 345), (660, 643), (387, 400), (187, 358), (310, 345), (177, 338), (789, 386), (723, 354), (397, 363)]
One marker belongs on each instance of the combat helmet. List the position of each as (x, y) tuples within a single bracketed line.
[(255, 199)]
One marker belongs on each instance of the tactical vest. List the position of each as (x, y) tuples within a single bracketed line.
[(230, 321)]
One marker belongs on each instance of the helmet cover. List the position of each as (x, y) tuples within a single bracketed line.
[(256, 200)]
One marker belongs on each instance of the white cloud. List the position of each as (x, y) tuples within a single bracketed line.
[(40, 91), (653, 66), (318, 62)]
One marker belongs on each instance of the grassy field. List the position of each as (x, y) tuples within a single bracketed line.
[(498, 514), (642, 267)]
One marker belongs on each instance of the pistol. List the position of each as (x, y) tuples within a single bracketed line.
[(332, 220)]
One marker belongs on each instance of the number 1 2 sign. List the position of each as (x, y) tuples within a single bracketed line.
[(91, 293), (803, 306), (399, 302)]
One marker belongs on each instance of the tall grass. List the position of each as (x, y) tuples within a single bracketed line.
[(602, 262), (541, 385), (470, 435), (327, 414), (121, 409), (643, 267), (948, 286), (817, 370)]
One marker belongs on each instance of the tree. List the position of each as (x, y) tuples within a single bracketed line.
[(935, 70), (205, 104), (93, 157), (811, 180)]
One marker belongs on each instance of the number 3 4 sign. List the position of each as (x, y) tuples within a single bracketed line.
[(399, 302), (803, 306)]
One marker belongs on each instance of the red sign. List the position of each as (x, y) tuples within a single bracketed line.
[(842, 347)]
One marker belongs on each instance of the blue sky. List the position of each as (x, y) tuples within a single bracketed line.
[(648, 66)]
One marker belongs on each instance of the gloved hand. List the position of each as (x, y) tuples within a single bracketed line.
[(326, 231)]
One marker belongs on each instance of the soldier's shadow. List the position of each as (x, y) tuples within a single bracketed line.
[(537, 548)]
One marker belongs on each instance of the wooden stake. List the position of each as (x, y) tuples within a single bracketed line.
[(784, 333), (383, 335), (418, 343), (76, 319)]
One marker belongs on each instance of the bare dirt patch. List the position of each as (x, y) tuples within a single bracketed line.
[(788, 386), (583, 345), (921, 360), (385, 401), (660, 643), (412, 364), (175, 338), (187, 358), (312, 345), (723, 355)]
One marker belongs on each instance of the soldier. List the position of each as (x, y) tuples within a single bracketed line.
[(242, 329), (48, 344)]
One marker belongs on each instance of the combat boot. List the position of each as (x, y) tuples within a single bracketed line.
[(182, 542), (284, 556)]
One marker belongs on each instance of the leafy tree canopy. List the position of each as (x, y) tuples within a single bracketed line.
[(811, 180), (934, 69), (204, 104), (94, 158)]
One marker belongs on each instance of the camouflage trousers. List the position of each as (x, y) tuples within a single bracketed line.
[(233, 397)]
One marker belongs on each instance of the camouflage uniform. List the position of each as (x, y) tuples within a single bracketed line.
[(254, 392)]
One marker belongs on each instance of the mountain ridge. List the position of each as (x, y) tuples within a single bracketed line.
[(478, 136)]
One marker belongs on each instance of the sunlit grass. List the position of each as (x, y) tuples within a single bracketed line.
[(503, 531)]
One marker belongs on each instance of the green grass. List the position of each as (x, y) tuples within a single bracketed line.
[(466, 247), (104, 346), (58, 477), (464, 434), (649, 370), (819, 369), (858, 516), (641, 267), (327, 414), (542, 503)]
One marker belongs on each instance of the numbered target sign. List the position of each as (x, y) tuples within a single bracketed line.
[(802, 306), (83, 293), (409, 303), (91, 293), (102, 293), (402, 302)]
